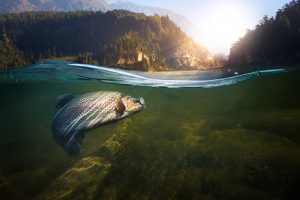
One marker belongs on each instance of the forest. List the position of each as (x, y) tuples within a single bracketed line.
[(275, 41), (116, 38)]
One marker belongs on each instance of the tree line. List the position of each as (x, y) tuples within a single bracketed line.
[(276, 40), (116, 38)]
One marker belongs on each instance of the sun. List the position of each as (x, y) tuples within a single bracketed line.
[(222, 27)]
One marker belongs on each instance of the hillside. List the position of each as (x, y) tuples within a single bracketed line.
[(15, 6), (275, 40), (10, 56), (116, 38), (185, 24)]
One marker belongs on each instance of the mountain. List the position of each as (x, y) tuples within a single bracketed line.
[(275, 40), (185, 24), (116, 38), (13, 6)]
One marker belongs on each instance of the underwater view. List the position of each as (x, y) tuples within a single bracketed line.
[(219, 134)]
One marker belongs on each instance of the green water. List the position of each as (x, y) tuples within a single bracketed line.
[(232, 142)]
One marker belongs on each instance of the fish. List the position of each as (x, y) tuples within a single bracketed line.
[(79, 114)]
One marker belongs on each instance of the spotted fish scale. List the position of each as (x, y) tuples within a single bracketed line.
[(86, 107), (81, 113)]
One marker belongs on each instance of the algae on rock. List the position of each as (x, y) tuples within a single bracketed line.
[(79, 182), (83, 179)]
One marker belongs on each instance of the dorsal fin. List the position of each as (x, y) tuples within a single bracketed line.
[(63, 100), (120, 108)]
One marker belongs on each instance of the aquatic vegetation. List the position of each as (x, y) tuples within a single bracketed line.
[(157, 169), (78, 182)]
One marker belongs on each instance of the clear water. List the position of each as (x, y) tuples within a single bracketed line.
[(204, 135)]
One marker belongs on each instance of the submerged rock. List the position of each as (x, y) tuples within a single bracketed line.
[(79, 182), (83, 179)]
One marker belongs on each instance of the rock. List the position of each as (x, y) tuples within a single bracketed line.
[(85, 177), (79, 182)]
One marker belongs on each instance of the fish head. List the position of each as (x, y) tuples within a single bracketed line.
[(133, 105)]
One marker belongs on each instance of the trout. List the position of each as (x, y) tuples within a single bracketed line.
[(79, 114)]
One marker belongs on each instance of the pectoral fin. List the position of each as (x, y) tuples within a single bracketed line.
[(120, 108), (72, 147)]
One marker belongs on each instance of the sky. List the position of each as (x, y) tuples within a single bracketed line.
[(220, 22)]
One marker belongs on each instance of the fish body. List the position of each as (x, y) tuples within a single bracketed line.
[(79, 114)]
